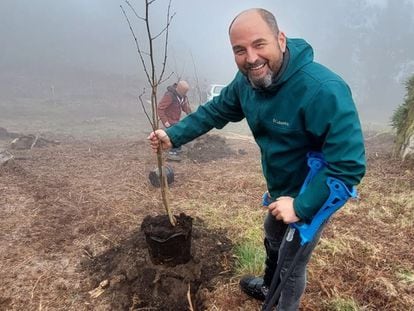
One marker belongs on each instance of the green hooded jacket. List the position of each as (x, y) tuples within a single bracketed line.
[(308, 108)]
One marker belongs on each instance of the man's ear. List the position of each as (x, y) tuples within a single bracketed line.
[(281, 38)]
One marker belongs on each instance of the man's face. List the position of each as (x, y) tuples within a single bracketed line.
[(258, 51)]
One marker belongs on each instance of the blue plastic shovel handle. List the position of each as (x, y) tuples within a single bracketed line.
[(339, 194), (315, 162), (266, 200)]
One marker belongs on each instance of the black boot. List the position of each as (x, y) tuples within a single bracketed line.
[(254, 287)]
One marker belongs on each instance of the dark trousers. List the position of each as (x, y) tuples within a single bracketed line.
[(295, 286)]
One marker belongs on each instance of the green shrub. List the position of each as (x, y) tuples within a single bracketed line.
[(400, 115)]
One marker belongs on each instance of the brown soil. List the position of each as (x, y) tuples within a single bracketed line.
[(70, 218), (209, 148), (135, 283)]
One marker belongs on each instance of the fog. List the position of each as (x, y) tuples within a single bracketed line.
[(369, 43)]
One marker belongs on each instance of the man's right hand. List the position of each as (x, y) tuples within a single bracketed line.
[(157, 137)]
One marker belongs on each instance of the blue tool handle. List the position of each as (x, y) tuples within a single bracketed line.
[(266, 200), (339, 194), (315, 162)]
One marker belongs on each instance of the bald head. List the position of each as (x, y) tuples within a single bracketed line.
[(258, 46), (182, 87), (265, 15)]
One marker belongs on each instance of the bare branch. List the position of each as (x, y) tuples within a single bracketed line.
[(164, 63), (151, 74), (165, 28), (140, 53), (141, 18), (151, 51), (169, 76), (146, 53), (133, 10), (145, 111)]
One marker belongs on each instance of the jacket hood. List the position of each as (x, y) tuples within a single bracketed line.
[(173, 89), (298, 54), (301, 54)]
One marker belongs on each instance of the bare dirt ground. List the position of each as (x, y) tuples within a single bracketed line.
[(70, 218)]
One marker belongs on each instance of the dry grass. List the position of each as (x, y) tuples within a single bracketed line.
[(99, 193), (358, 264)]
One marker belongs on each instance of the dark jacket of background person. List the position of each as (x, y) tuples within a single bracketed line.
[(171, 105)]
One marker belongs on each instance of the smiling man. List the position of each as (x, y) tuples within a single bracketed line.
[(258, 47), (292, 105)]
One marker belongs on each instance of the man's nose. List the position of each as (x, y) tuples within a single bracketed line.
[(251, 56)]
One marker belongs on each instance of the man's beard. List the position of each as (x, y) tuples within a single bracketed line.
[(262, 82), (267, 80)]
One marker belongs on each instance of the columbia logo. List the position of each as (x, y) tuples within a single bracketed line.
[(278, 122)]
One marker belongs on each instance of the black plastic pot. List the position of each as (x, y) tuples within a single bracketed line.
[(167, 244), (154, 176)]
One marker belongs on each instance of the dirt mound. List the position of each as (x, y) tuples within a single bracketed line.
[(209, 148), (135, 283)]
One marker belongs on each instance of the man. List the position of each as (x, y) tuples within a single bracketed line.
[(172, 103), (292, 106)]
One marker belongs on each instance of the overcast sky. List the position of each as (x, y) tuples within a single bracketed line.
[(93, 34)]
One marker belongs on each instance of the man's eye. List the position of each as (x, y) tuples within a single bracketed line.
[(239, 52)]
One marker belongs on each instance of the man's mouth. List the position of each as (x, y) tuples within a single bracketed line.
[(257, 67)]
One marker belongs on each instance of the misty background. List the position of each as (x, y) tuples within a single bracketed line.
[(80, 54)]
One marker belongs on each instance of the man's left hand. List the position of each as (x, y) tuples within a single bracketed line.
[(283, 210)]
